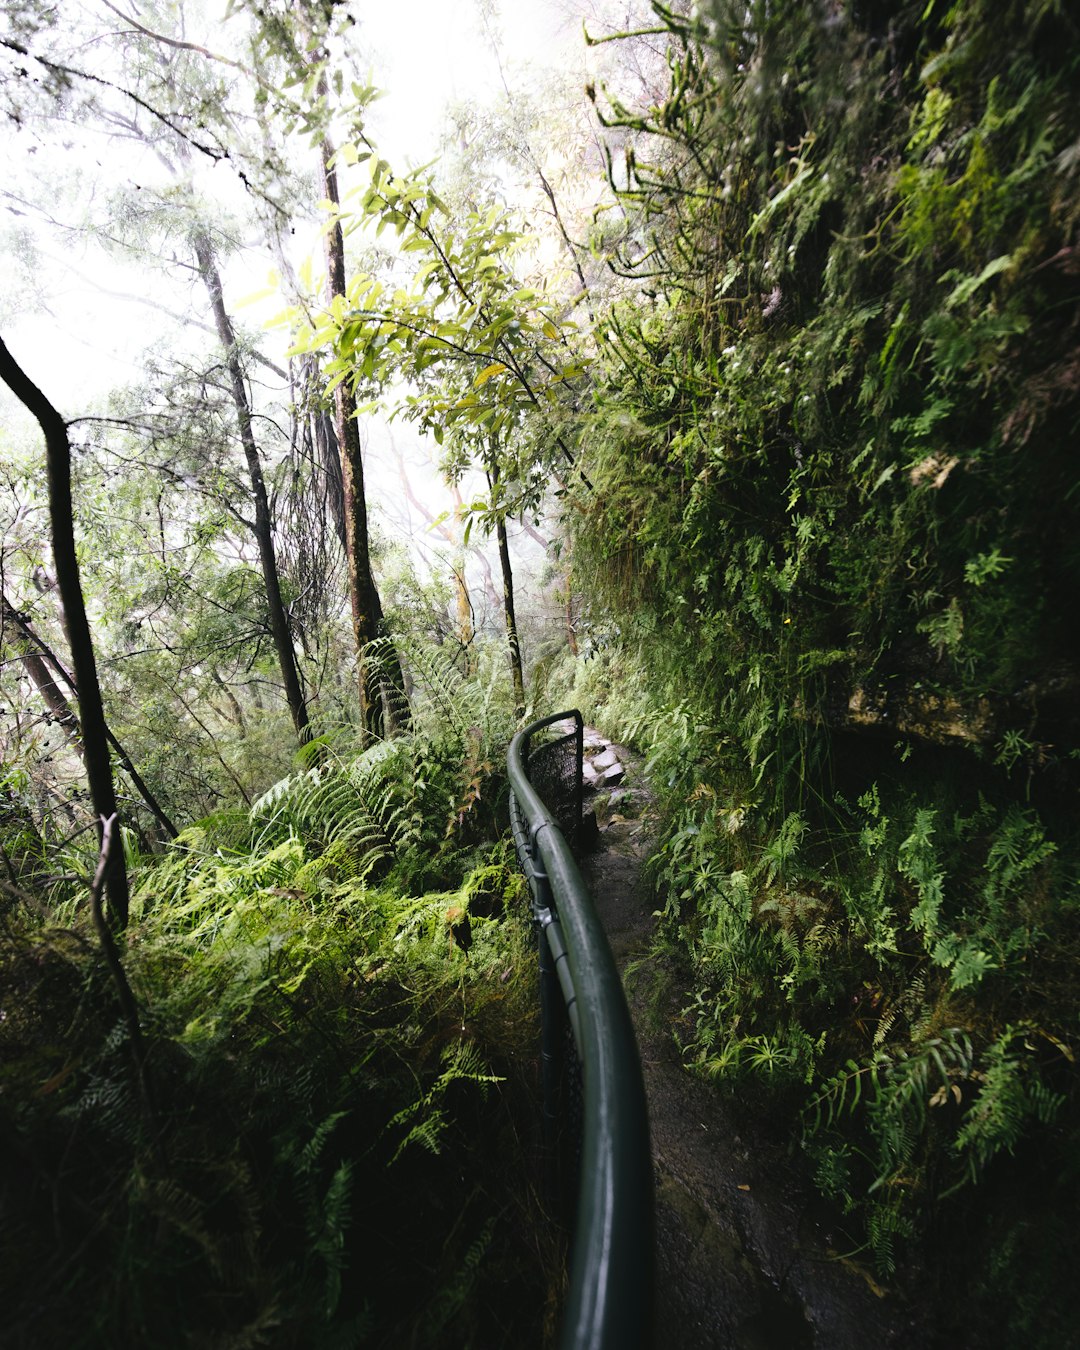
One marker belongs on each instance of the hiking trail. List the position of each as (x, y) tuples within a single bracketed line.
[(744, 1255)]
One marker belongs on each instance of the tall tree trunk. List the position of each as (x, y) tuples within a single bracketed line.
[(511, 621), (491, 595), (326, 449), (508, 594), (95, 745), (381, 687), (264, 536), (47, 658), (465, 615), (51, 693)]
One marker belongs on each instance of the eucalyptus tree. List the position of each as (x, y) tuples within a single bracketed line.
[(290, 69), (16, 635), (482, 362), (175, 78), (367, 614), (262, 526), (162, 111)]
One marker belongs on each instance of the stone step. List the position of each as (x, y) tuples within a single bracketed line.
[(605, 759)]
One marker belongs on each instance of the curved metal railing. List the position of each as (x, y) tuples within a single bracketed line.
[(609, 1298)]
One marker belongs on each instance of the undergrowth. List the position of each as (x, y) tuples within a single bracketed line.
[(326, 1140)]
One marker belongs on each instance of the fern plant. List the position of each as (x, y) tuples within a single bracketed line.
[(308, 1023)]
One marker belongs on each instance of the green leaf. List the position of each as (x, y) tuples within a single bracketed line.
[(496, 368), (970, 285)]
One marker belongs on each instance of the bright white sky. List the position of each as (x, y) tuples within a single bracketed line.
[(97, 324), (424, 54), (427, 54)]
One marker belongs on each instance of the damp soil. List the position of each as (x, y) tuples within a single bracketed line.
[(744, 1247)]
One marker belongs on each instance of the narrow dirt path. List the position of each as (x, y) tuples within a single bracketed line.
[(742, 1262)]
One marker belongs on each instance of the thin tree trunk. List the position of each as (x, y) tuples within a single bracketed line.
[(51, 659), (327, 451), (508, 595), (232, 700), (465, 631), (381, 685), (490, 593), (39, 673), (264, 536), (95, 744), (465, 615), (511, 621), (367, 614), (534, 534), (58, 706)]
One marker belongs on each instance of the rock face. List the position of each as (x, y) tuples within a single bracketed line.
[(743, 1262), (937, 718)]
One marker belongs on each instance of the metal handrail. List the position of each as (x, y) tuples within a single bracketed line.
[(609, 1299)]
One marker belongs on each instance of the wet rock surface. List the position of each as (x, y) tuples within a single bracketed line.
[(743, 1248)]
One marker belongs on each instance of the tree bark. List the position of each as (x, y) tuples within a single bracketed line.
[(516, 671), (465, 615), (53, 696), (264, 536), (383, 700), (49, 658), (95, 744), (327, 451), (511, 620)]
